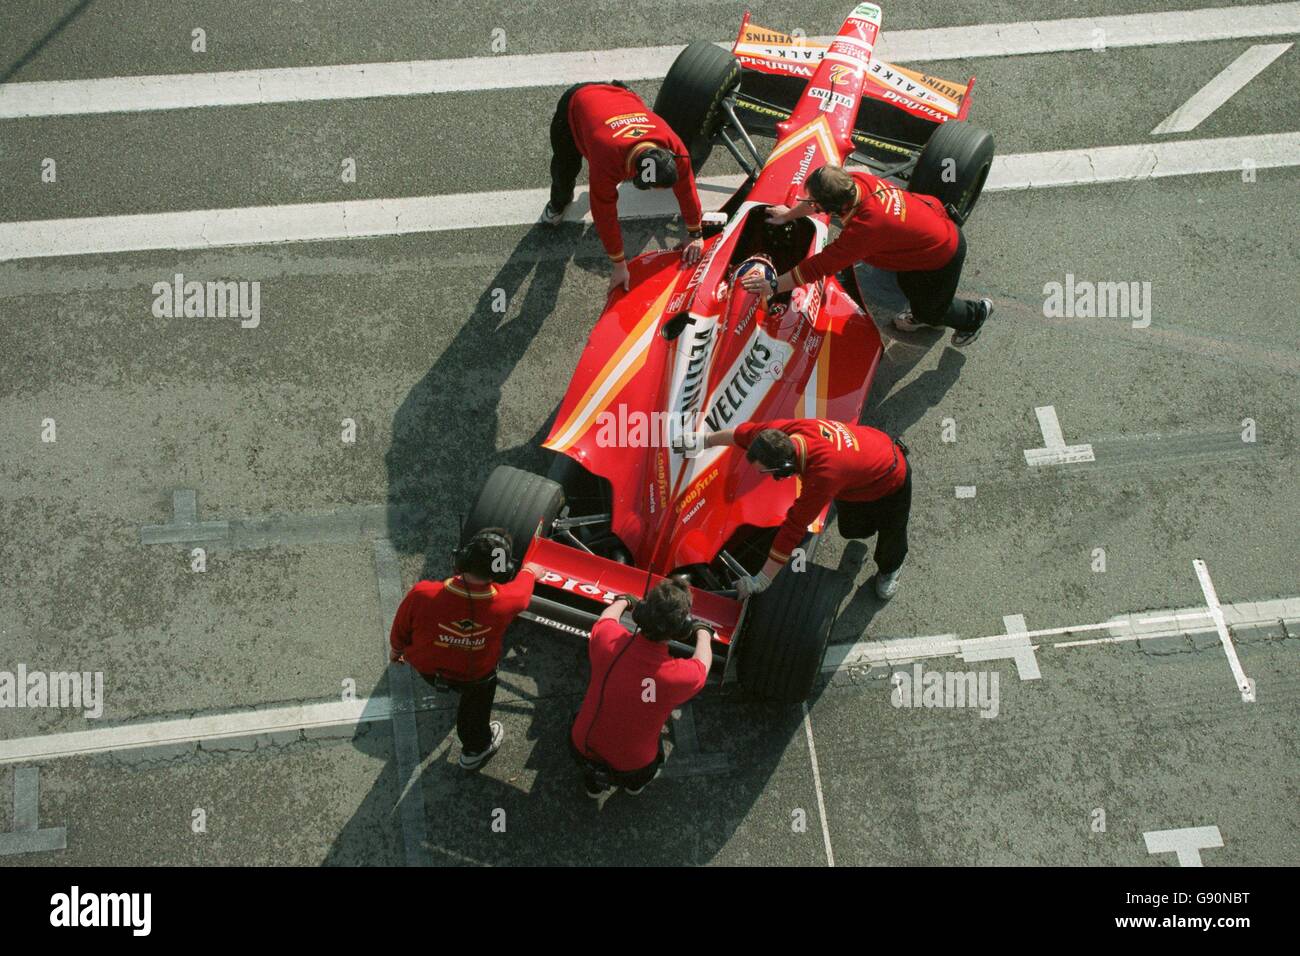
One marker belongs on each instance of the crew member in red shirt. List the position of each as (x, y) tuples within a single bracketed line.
[(609, 125), (890, 228), (451, 631), (635, 685), (862, 470)]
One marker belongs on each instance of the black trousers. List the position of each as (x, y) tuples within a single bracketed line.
[(473, 723), (566, 161), (886, 518), (931, 294), (598, 775)]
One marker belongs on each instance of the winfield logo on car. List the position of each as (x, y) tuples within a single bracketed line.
[(804, 163), (776, 63)]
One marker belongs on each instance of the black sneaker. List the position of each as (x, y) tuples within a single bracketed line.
[(552, 216), (470, 761), (961, 339), (631, 791), (593, 789)]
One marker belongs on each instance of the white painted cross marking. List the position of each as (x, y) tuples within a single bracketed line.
[(1187, 843), (1055, 451), (27, 835), (1222, 88), (965, 491), (1244, 684), (1015, 644)]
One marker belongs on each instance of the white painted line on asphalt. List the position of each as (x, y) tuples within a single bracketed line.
[(406, 734), (965, 491), (1187, 842), (1222, 88), (27, 835), (1146, 626), (1015, 644), (193, 730), (472, 74), (817, 782), (1055, 450), (1244, 684), (367, 218)]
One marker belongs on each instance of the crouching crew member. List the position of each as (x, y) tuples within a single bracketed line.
[(609, 125), (902, 232), (635, 685), (862, 470), (451, 631)]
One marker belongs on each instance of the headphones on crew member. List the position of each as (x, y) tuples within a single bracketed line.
[(479, 555), (760, 449), (680, 626)]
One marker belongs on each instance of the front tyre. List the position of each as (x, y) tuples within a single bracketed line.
[(954, 165), (690, 100)]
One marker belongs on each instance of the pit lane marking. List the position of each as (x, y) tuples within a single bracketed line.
[(1187, 843), (1234, 78), (367, 218), (1180, 622), (28, 836), (406, 734), (516, 71), (1245, 685), (817, 783), (1055, 451)]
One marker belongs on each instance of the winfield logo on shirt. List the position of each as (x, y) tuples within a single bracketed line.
[(75, 908)]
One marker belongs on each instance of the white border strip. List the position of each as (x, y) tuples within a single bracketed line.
[(418, 77), (358, 219), (1234, 78)]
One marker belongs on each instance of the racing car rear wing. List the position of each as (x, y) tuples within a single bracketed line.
[(900, 108)]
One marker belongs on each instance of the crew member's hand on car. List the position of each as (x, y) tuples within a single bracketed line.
[(688, 444), (779, 215), (620, 277), (692, 249), (752, 584)]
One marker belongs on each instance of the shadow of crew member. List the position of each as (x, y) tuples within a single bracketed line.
[(635, 686), (451, 632)]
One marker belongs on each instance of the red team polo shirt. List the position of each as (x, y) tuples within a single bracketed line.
[(611, 126), (848, 462), (447, 628), (616, 725), (889, 228)]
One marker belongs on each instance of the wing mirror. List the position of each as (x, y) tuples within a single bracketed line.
[(676, 326)]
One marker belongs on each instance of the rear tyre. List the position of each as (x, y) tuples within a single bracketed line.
[(970, 150), (690, 100), (518, 501), (786, 631)]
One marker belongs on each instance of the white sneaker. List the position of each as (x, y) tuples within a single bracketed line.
[(904, 323), (887, 584), (551, 216), (474, 761)]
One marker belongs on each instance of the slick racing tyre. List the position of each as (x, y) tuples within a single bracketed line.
[(954, 165), (785, 634), (518, 501), (690, 100)]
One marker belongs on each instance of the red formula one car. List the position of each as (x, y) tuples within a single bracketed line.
[(691, 350)]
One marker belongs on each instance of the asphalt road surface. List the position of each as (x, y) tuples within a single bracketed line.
[(247, 712)]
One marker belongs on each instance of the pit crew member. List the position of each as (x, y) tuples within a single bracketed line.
[(621, 139), (635, 685), (451, 632), (907, 233), (864, 471)]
